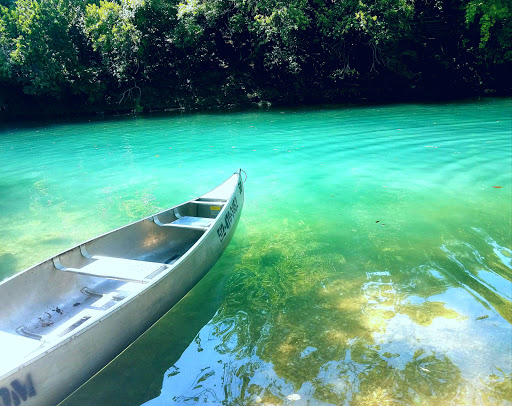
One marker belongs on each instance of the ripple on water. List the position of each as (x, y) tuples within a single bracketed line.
[(372, 264)]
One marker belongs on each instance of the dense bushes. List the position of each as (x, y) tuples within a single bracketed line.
[(73, 56)]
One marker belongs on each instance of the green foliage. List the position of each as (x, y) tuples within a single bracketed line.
[(207, 52), (494, 18), (113, 33), (4, 41), (37, 40), (278, 24), (489, 12), (189, 29), (278, 19), (374, 22), (357, 33)]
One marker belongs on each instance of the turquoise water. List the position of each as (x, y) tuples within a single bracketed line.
[(372, 264)]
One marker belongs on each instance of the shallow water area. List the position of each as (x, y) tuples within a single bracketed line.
[(372, 264)]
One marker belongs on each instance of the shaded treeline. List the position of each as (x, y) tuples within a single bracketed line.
[(88, 56)]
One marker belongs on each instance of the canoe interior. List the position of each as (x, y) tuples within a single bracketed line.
[(51, 300)]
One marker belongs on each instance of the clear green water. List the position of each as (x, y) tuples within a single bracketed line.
[(372, 264)]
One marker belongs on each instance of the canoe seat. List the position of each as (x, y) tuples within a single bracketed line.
[(117, 268), (195, 223), (216, 202)]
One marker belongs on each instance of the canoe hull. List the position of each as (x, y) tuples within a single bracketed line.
[(55, 373)]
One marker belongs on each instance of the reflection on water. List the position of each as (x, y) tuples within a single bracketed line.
[(372, 264), (307, 323)]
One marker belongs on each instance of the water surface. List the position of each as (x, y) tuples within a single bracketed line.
[(371, 266)]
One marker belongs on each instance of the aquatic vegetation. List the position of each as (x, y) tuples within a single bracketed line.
[(424, 313), (142, 204), (499, 388)]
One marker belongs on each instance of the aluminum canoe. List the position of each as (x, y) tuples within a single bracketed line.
[(65, 318)]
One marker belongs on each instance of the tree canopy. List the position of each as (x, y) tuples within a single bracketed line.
[(117, 55)]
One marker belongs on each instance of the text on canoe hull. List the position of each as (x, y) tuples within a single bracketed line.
[(227, 222), (18, 392)]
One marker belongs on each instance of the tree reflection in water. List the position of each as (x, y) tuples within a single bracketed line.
[(302, 319)]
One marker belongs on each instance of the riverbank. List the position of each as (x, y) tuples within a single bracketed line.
[(17, 106)]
